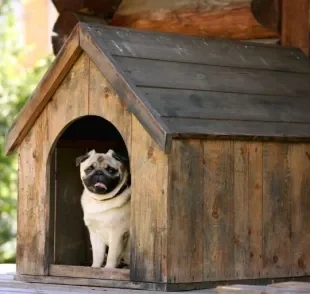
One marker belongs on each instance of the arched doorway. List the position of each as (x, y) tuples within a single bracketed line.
[(69, 240)]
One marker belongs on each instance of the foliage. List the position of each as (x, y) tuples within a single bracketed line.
[(16, 84)]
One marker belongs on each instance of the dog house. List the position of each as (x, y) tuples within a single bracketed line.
[(218, 136)]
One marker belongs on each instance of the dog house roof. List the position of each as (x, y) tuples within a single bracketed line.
[(184, 86)]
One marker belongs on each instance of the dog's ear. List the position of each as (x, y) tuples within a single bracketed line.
[(80, 159)]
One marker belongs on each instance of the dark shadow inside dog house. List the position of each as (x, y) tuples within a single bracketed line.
[(69, 238)]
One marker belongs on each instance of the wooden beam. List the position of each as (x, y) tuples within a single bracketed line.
[(73, 11), (221, 19), (268, 13), (296, 24)]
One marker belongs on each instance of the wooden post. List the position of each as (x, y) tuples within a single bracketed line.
[(296, 24)]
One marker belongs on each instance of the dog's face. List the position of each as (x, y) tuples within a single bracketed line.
[(102, 173)]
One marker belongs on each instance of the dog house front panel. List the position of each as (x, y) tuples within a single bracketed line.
[(50, 166)]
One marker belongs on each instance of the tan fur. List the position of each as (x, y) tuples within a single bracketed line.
[(108, 221)]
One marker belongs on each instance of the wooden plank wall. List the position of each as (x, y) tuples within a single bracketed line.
[(238, 210), (150, 183), (76, 96)]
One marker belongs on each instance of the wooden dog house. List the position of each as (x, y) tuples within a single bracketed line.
[(218, 134)]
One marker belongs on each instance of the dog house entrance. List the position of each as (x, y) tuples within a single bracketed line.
[(69, 244)]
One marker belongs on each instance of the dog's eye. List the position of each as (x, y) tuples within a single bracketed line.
[(89, 169), (111, 170)]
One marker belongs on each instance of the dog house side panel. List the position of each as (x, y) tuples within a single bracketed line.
[(32, 211), (186, 213), (104, 102), (240, 210), (150, 191)]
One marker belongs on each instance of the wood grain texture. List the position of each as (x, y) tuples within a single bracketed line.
[(185, 252), (88, 272), (299, 167), (277, 228), (70, 101), (227, 106), (255, 184), (149, 206), (296, 25), (219, 209), (32, 227), (248, 209), (104, 102), (191, 49), (229, 19), (149, 73), (43, 92)]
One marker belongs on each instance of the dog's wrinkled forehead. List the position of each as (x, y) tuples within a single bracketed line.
[(100, 160)]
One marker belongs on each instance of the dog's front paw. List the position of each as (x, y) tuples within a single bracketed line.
[(110, 266), (95, 265)]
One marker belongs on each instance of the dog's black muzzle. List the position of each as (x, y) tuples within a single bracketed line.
[(100, 182)]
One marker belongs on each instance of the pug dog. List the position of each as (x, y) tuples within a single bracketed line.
[(106, 206)]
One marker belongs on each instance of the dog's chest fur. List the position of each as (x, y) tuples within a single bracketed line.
[(107, 217)]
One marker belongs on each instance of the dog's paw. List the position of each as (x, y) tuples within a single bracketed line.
[(110, 266), (95, 265)]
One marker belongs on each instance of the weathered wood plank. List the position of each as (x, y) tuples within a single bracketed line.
[(255, 210), (219, 208), (32, 227), (62, 109), (248, 209), (88, 272), (104, 102), (277, 230), (149, 206), (192, 49), (233, 129), (185, 253), (299, 167), (149, 73), (69, 237), (231, 106), (46, 88)]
